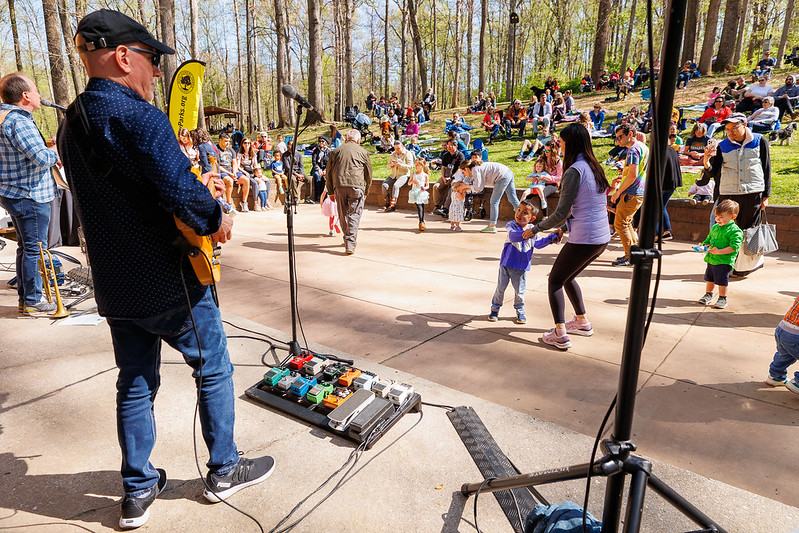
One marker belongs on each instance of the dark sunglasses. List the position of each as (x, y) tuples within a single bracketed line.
[(156, 56), (619, 137)]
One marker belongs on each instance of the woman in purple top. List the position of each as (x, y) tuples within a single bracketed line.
[(582, 207)]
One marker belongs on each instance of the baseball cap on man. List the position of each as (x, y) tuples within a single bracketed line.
[(108, 29), (736, 118)]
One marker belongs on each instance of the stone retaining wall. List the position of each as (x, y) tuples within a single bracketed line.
[(688, 222)]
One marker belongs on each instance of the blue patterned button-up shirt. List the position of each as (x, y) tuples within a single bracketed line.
[(127, 217), (25, 160)]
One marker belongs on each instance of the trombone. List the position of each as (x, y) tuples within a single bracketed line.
[(47, 270)]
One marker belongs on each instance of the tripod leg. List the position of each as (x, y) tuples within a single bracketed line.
[(683, 505), (635, 502), (612, 508)]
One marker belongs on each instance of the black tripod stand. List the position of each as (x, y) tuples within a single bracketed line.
[(619, 460)]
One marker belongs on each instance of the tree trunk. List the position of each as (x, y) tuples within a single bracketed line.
[(689, 40), (457, 51), (625, 56), (339, 51), (785, 30), (403, 97), (417, 41), (166, 9), (55, 54), (469, 32), (481, 84), (757, 26), (12, 15), (194, 48), (728, 33), (601, 39), (385, 55), (349, 75), (239, 55), (74, 61), (315, 94), (511, 62), (283, 108), (739, 42), (709, 42), (433, 65)]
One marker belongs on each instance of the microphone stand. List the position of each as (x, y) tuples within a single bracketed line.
[(291, 202)]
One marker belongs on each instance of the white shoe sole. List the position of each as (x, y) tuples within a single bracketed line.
[(132, 523), (580, 332), (216, 497)]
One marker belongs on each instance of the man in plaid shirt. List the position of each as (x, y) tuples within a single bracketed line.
[(26, 185)]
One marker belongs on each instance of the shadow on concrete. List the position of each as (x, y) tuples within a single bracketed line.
[(4, 408), (332, 248), (454, 515), (749, 401), (76, 496)]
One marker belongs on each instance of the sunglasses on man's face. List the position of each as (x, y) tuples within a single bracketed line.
[(156, 56)]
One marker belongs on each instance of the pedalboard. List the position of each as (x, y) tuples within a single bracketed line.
[(342, 399)]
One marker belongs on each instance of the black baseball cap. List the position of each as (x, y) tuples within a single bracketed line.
[(106, 28)]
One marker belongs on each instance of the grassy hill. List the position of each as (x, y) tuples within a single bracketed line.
[(784, 159)]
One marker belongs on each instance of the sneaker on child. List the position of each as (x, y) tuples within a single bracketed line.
[(706, 299), (792, 386), (136, 509), (247, 472), (771, 381), (721, 303), (494, 316), (520, 318)]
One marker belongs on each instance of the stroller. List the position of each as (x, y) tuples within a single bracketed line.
[(361, 122), (470, 206)]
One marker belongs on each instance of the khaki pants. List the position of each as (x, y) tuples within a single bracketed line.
[(625, 210), (349, 202)]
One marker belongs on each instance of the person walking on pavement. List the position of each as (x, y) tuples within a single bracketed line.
[(349, 176)]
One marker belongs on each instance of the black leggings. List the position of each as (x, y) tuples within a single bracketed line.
[(571, 260), (420, 211)]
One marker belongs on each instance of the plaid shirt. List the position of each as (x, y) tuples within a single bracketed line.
[(25, 160)]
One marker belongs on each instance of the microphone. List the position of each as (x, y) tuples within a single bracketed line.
[(48, 103), (290, 92)]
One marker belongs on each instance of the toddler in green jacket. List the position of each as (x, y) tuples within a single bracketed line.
[(723, 244)]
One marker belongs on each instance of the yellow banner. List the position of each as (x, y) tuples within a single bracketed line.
[(185, 95)]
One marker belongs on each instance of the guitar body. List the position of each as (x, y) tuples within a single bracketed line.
[(204, 253)]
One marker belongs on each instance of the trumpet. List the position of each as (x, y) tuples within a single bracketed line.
[(47, 270)]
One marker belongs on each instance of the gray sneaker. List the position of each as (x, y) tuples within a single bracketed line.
[(721, 303), (42, 308), (246, 473), (706, 299)]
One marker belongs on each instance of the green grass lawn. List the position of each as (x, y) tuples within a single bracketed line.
[(784, 159)]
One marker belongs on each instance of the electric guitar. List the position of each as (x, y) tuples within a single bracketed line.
[(204, 253)]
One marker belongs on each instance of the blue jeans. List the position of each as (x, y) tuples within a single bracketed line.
[(263, 196), (137, 348), (31, 220), (666, 222), (787, 354), (518, 279), (318, 185), (503, 185)]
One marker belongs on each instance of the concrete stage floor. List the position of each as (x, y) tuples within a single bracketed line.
[(412, 306)]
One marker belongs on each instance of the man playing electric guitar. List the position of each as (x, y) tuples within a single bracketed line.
[(129, 178)]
